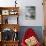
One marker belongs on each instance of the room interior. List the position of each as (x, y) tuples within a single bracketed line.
[(16, 17)]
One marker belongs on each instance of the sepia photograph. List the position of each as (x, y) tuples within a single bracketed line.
[(30, 12)]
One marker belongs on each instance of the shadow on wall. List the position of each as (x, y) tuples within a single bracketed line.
[(37, 29)]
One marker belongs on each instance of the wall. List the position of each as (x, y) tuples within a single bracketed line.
[(7, 3), (39, 13), (22, 3)]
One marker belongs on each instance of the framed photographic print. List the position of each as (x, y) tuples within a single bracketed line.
[(5, 12), (12, 12), (6, 34), (30, 12), (13, 19), (5, 19), (10, 19)]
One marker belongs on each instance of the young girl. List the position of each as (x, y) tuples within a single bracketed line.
[(30, 38)]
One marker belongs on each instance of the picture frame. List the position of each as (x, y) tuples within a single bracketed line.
[(30, 12), (5, 12), (5, 19), (13, 12), (7, 34), (13, 19), (10, 19)]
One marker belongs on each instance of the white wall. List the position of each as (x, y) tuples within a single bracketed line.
[(39, 13), (22, 3), (6, 3)]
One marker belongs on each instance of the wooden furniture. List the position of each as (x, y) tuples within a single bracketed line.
[(44, 36), (10, 43), (44, 4), (0, 43), (9, 24), (6, 12)]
